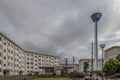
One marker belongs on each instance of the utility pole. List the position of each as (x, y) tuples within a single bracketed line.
[(73, 62), (92, 45), (66, 63)]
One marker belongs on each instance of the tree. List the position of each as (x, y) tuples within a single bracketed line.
[(111, 66), (118, 57), (86, 66)]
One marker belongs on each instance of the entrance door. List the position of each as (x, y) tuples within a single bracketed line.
[(6, 72)]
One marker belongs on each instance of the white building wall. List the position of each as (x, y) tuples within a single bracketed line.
[(112, 52), (81, 64), (15, 60)]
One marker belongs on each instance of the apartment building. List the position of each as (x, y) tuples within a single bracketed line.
[(14, 60), (37, 63), (81, 64), (111, 52)]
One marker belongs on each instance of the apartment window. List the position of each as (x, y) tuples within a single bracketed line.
[(0, 62), (31, 62), (27, 62), (9, 50), (11, 64), (4, 43), (4, 57), (0, 46), (0, 38), (0, 54), (5, 50), (8, 63), (8, 57), (8, 44), (11, 58), (4, 64), (0, 70)]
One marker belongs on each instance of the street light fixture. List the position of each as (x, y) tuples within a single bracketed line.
[(102, 46), (95, 18)]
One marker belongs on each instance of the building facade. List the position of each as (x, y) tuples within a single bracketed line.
[(37, 63), (16, 61), (81, 64), (71, 67), (111, 52)]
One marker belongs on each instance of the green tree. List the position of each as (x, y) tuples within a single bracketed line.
[(111, 66), (86, 66), (118, 57)]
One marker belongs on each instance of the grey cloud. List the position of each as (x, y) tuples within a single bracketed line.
[(59, 27)]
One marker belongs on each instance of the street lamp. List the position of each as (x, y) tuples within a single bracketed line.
[(66, 63), (95, 18), (102, 46), (73, 62)]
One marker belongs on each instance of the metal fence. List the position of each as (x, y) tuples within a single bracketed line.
[(18, 78)]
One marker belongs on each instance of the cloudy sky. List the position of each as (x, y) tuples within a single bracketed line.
[(60, 27)]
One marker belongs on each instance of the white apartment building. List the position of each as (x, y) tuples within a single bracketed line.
[(37, 63), (16, 61), (111, 52), (81, 64)]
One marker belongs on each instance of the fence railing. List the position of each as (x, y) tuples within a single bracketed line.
[(18, 78)]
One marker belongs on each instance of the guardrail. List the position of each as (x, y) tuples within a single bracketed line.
[(18, 78)]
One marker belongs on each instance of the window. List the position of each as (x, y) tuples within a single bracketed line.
[(0, 46), (0, 38), (0, 70), (4, 57), (31, 62), (5, 50), (28, 67), (4, 43), (4, 64), (8, 44), (0, 54), (27, 62), (0, 62), (9, 50)]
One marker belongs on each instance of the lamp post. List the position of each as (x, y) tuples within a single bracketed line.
[(95, 18), (92, 59), (102, 46), (73, 62)]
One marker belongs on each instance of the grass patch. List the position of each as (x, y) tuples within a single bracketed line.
[(52, 79)]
